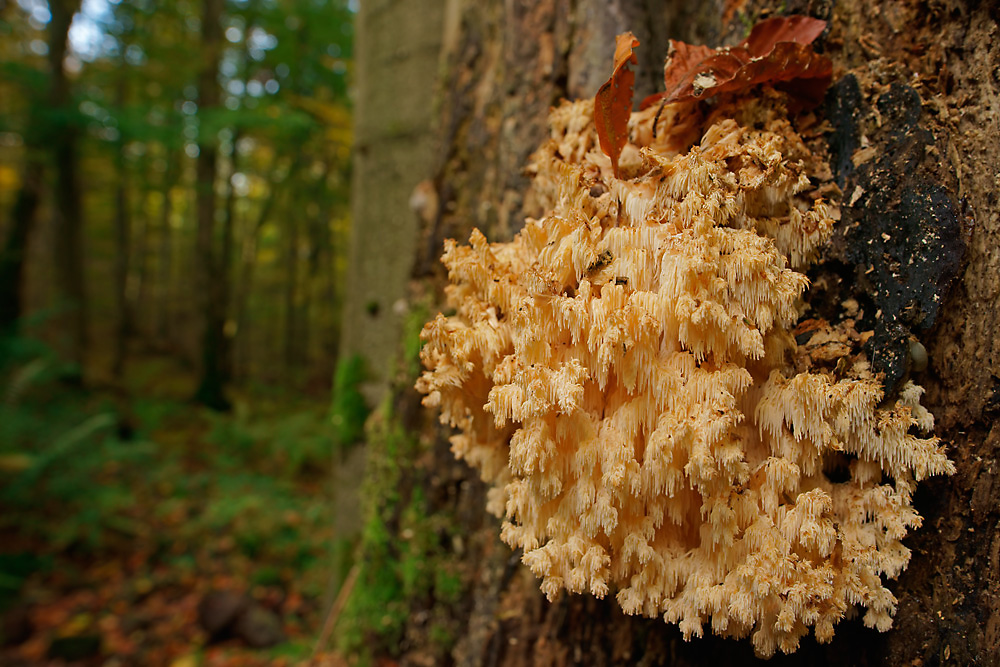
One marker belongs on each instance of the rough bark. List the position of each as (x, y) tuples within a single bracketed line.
[(924, 97)]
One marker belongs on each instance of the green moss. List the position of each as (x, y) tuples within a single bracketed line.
[(441, 637), (374, 612), (403, 566), (349, 410), (413, 324), (447, 586)]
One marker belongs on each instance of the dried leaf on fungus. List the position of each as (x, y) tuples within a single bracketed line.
[(776, 51), (683, 58), (613, 103)]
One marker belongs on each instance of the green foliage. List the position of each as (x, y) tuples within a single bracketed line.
[(402, 563), (283, 132), (15, 568), (296, 441), (57, 453), (349, 410), (25, 363), (245, 486)]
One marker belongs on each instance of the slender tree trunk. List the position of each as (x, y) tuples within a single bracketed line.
[(329, 294), (163, 329), (123, 243), (316, 241), (913, 79), (228, 240), (291, 289), (248, 265), (211, 387), (138, 288), (69, 267), (12, 260), (306, 318)]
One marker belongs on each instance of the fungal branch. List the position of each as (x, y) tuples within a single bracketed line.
[(623, 373)]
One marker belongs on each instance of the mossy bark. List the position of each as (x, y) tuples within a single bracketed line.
[(926, 82)]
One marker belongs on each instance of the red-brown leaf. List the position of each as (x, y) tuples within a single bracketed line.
[(681, 59), (776, 51), (613, 103), (768, 33)]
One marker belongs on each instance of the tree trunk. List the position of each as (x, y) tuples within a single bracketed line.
[(396, 59), (248, 265), (68, 215), (163, 329), (123, 233), (211, 387), (290, 285), (12, 261), (915, 85), (228, 241), (138, 285)]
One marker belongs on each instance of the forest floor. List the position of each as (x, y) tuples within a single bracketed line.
[(138, 529)]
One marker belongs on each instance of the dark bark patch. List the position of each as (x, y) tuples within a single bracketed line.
[(903, 230)]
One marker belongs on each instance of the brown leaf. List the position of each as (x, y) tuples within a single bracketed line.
[(776, 51), (613, 103), (767, 34), (681, 59)]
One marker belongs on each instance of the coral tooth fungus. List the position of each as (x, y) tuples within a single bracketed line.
[(623, 374)]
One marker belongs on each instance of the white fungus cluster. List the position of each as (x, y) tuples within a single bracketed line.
[(622, 374)]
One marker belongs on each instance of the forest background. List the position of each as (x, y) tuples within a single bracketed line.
[(174, 190)]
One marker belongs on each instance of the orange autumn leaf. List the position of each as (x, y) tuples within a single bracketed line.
[(777, 51), (613, 103)]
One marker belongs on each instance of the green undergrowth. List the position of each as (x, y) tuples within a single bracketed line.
[(87, 476)]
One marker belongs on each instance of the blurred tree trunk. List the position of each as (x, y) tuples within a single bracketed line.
[(318, 241), (123, 231), (291, 287), (247, 266), (211, 387), (163, 328), (396, 60), (72, 322), (506, 64), (138, 290), (22, 220), (228, 241)]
